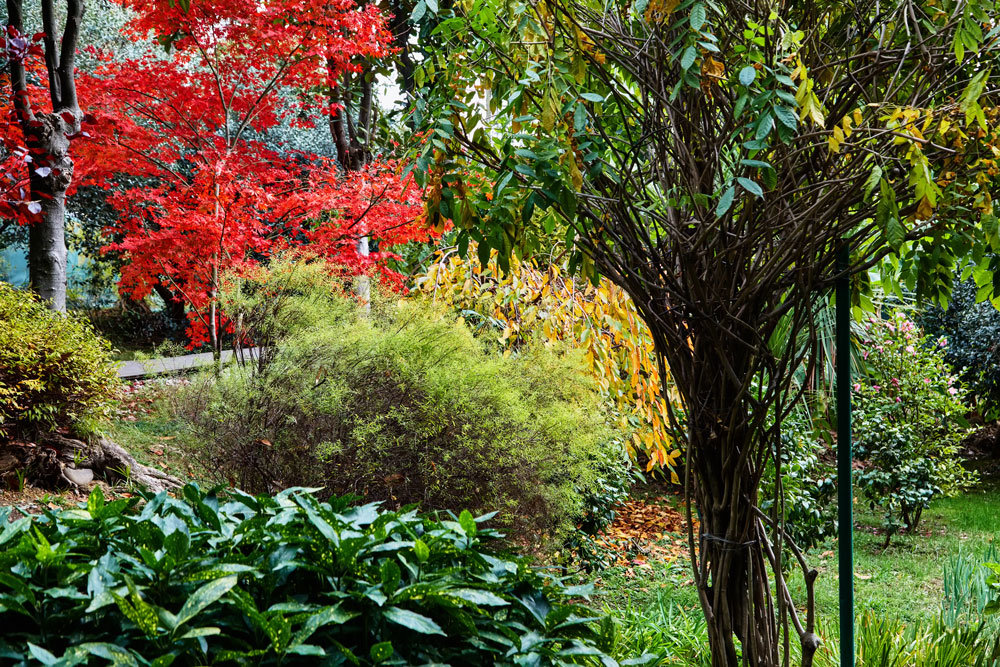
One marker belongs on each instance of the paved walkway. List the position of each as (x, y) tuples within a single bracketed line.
[(133, 370)]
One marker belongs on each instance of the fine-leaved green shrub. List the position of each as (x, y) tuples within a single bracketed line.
[(54, 370), (287, 580), (402, 406)]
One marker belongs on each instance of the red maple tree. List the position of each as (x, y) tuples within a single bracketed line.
[(181, 144)]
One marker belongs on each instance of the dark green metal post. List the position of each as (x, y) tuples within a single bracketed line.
[(845, 496)]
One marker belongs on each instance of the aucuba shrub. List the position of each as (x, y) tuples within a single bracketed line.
[(54, 370), (286, 580), (403, 405), (909, 418)]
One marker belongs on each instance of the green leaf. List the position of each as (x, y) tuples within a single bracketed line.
[(479, 597), (467, 522), (764, 126), (381, 652), (873, 180), (592, 97), (42, 655), (750, 186), (413, 621), (747, 75), (421, 550), (786, 116), (418, 11), (698, 16), (688, 58), (725, 201), (205, 596), (200, 632)]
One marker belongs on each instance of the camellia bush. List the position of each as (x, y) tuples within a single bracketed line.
[(908, 422), (54, 370), (200, 579)]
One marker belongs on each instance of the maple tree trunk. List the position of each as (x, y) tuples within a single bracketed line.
[(47, 243), (46, 135)]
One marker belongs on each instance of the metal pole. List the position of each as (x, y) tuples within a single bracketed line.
[(845, 497)]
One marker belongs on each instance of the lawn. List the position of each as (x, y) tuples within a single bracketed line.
[(904, 582)]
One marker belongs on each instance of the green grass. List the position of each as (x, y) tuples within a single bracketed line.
[(903, 582)]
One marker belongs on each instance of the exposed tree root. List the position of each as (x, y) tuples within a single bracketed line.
[(55, 461)]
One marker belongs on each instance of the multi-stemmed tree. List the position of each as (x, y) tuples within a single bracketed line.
[(713, 157)]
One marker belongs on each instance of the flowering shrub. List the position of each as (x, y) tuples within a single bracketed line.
[(908, 422)]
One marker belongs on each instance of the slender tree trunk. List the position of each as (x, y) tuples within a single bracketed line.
[(46, 135), (47, 238)]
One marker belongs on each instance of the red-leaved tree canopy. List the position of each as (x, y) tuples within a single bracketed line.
[(182, 142)]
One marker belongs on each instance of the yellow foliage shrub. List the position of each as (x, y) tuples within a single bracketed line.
[(531, 301)]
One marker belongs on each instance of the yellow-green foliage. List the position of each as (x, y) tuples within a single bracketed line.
[(54, 370), (406, 406)]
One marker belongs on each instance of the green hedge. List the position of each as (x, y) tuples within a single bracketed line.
[(54, 370), (274, 580)]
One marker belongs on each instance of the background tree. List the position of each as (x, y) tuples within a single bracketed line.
[(192, 126), (713, 158), (46, 138)]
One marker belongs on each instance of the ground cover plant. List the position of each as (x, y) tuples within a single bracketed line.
[(203, 579)]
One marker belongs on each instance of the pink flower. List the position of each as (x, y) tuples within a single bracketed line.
[(876, 387), (864, 354), (897, 399), (952, 391), (927, 380), (895, 382), (942, 342), (909, 348), (857, 386), (880, 348)]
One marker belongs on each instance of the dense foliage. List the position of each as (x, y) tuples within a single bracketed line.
[(908, 421), (54, 370), (714, 159), (528, 303), (200, 579), (183, 140), (973, 333), (403, 407), (803, 486)]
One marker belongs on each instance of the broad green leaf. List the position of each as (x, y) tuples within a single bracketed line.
[(413, 621), (786, 116), (725, 201), (381, 652), (698, 16), (418, 11), (747, 75), (421, 550), (479, 597), (750, 186), (203, 597)]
